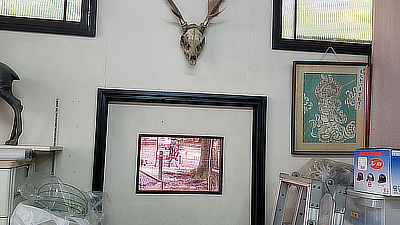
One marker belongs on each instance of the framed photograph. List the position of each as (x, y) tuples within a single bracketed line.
[(179, 164), (330, 107), (156, 116)]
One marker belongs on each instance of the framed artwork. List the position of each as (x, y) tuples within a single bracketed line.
[(108, 99), (179, 164), (330, 107)]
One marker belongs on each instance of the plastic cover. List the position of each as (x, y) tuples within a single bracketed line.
[(50, 201), (322, 169), (27, 214)]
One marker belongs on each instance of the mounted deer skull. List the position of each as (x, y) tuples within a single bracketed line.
[(193, 39)]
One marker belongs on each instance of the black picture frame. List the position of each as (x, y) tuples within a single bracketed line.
[(258, 105)]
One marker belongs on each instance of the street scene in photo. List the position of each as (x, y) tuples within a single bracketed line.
[(179, 164)]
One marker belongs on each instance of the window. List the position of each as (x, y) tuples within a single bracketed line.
[(71, 17), (316, 25)]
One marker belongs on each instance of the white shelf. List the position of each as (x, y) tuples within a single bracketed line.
[(7, 164), (39, 148), (35, 150)]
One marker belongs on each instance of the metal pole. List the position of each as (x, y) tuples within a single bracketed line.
[(160, 172), (209, 167)]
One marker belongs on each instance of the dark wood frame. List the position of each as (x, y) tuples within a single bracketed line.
[(367, 106), (258, 104), (280, 43)]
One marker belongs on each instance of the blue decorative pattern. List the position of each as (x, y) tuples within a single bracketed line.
[(329, 113)]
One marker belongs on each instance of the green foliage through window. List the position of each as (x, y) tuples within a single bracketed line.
[(49, 16)]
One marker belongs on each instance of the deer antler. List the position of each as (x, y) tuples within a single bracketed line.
[(212, 13), (177, 13), (192, 39)]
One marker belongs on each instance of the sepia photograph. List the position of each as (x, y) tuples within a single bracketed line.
[(179, 164)]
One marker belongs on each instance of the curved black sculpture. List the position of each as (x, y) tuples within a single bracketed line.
[(7, 76)]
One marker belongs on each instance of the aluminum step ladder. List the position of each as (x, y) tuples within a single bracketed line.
[(308, 200)]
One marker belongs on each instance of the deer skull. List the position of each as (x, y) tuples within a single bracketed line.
[(192, 42), (193, 39)]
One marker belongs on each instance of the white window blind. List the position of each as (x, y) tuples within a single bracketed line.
[(327, 20), (67, 10)]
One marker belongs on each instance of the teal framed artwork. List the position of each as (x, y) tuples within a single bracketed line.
[(330, 107)]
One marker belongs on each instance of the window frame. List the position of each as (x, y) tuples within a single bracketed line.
[(87, 26), (280, 43)]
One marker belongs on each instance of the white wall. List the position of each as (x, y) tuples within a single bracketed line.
[(137, 47), (385, 80)]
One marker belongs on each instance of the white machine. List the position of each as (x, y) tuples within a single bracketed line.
[(365, 208)]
